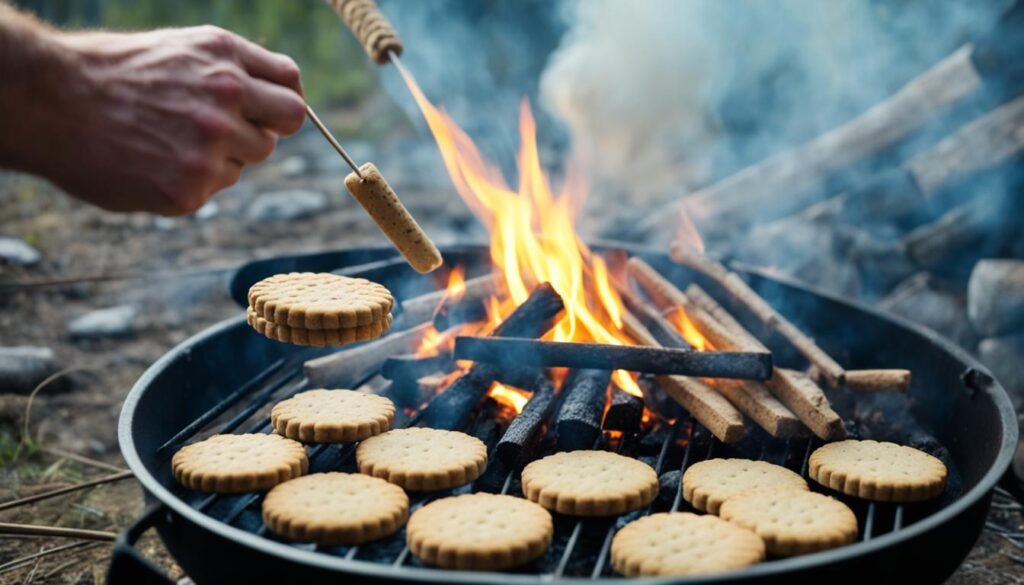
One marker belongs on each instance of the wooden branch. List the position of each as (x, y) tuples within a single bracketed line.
[(625, 412), (767, 314), (421, 309), (707, 405), (649, 319), (55, 531), (413, 367), (808, 402), (513, 352), (754, 400), (338, 369), (524, 430), (578, 423), (467, 309), (879, 380), (533, 318), (707, 303), (66, 490)]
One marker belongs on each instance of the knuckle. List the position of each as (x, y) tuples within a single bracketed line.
[(217, 40), (226, 84), (211, 125)]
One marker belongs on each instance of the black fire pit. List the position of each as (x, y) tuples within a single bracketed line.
[(221, 380)]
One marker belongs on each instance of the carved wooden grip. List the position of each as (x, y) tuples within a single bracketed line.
[(370, 26)]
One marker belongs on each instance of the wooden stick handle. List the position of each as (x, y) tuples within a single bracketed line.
[(370, 27)]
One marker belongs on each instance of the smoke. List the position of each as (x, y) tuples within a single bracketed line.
[(664, 95)]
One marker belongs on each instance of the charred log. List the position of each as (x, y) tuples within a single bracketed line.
[(413, 367), (511, 352), (578, 424), (624, 413), (524, 431)]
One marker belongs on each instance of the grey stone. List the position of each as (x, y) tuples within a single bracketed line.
[(286, 206), (920, 300), (17, 251), (1005, 357), (995, 297), (23, 367), (294, 166), (208, 211), (116, 321)]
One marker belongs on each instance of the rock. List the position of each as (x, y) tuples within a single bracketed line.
[(922, 300), (208, 211), (995, 297), (1005, 357), (294, 166), (18, 252), (22, 368), (286, 206), (116, 321)]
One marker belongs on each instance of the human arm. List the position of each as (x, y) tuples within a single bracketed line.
[(155, 121)]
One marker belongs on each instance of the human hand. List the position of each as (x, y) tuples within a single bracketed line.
[(160, 121)]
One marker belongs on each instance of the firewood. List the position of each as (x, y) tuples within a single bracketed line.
[(512, 352), (340, 368), (649, 319), (457, 312), (878, 380), (702, 299), (524, 430), (421, 309), (757, 402), (624, 413), (707, 405), (767, 314), (533, 318), (414, 367), (808, 402), (578, 424)]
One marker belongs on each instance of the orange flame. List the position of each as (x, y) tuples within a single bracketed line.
[(533, 234), (456, 283), (509, 397), (688, 330)]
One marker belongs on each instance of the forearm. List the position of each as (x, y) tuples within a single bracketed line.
[(34, 65)]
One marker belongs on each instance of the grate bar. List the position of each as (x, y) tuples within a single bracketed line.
[(569, 547), (897, 521), (869, 522), (260, 401), (221, 407), (678, 501)]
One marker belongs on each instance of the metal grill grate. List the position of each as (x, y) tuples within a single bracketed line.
[(580, 548)]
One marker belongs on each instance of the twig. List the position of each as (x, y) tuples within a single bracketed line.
[(57, 531), (81, 459), (49, 380), (67, 490), (11, 565)]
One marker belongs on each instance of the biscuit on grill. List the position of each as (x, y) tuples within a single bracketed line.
[(232, 464), (421, 459), (792, 522), (317, 337), (316, 300), (480, 532), (590, 483), (335, 509), (706, 485), (332, 416), (873, 470), (681, 543)]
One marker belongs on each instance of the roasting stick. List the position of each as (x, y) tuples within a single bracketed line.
[(334, 142), (796, 392)]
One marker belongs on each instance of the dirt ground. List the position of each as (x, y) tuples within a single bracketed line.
[(153, 263)]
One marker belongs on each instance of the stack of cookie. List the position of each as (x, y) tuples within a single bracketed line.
[(320, 309)]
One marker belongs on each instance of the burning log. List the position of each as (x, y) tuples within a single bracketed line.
[(624, 413), (706, 302), (511, 352), (668, 297), (412, 367), (422, 308), (524, 430), (533, 318), (645, 317), (338, 369), (656, 400), (578, 424), (767, 314), (456, 312), (808, 402)]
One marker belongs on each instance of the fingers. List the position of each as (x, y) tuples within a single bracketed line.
[(272, 67), (249, 143), (272, 106)]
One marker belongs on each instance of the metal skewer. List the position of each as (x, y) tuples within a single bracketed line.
[(330, 138)]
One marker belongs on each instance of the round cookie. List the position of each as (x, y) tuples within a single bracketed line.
[(792, 522), (332, 416), (884, 472), (479, 532), (232, 464), (681, 543), (317, 337), (709, 483), (590, 483), (421, 459), (314, 301), (335, 509)]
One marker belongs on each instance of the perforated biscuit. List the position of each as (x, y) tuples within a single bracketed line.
[(681, 543), (332, 416), (479, 532), (422, 459), (706, 485), (230, 464), (317, 337), (792, 522), (315, 301), (873, 470), (335, 509), (590, 483)]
